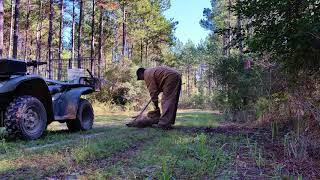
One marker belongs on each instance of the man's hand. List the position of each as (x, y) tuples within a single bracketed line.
[(156, 105), (155, 114)]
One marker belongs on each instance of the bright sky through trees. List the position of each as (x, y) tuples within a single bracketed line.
[(188, 13)]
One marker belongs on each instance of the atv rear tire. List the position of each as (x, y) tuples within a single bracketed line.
[(25, 118), (85, 117)]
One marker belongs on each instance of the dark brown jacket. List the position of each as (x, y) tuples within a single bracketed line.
[(157, 77)]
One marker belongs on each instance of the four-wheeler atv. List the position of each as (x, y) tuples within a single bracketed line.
[(28, 103)]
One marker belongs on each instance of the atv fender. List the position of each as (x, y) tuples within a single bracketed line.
[(11, 84), (66, 106), (29, 85)]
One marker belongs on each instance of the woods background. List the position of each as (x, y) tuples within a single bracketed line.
[(260, 56)]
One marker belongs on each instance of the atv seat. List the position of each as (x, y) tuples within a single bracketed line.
[(59, 86)]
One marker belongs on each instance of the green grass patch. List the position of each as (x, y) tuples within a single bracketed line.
[(198, 119), (173, 155)]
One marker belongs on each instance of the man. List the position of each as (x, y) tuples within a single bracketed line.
[(167, 81)]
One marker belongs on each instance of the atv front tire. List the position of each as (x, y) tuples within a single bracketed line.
[(25, 118), (85, 117)]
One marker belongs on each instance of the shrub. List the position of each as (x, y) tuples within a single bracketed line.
[(122, 89)]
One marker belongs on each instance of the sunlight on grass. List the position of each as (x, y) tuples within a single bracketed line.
[(196, 119)]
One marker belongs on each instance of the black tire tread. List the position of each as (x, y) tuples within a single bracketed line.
[(11, 120), (76, 125)]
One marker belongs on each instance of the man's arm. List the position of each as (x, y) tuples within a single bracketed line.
[(153, 90), (154, 93)]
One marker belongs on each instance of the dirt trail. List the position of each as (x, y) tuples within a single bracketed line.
[(73, 140), (87, 136), (76, 171)]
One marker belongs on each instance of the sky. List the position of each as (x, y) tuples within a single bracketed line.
[(188, 13)]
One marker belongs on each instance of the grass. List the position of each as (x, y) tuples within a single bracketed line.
[(118, 152), (174, 155), (198, 119)]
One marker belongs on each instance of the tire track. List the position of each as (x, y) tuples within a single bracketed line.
[(80, 170)]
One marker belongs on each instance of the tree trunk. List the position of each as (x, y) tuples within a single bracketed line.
[(141, 51), (131, 54), (239, 27), (1, 27), (147, 61), (73, 31), (50, 39), (224, 44), (229, 27), (16, 29), (25, 54), (39, 30), (188, 80), (101, 25), (209, 85), (209, 80), (80, 33), (123, 31), (11, 28), (60, 40), (92, 38)]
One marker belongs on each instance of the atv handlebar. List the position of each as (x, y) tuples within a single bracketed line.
[(90, 73)]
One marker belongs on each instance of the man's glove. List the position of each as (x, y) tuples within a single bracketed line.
[(154, 114)]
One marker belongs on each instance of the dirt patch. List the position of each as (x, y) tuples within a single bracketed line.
[(226, 129), (29, 166)]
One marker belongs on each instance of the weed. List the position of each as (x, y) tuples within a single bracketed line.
[(2, 133), (202, 146), (259, 159), (82, 153), (165, 172), (3, 146), (253, 149), (275, 130), (248, 143), (295, 146), (278, 168)]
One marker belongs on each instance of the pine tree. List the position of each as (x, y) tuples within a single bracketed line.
[(1, 27)]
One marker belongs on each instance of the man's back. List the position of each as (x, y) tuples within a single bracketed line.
[(159, 75)]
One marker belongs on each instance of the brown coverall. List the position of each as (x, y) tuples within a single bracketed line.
[(167, 81)]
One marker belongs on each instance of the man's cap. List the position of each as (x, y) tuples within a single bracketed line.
[(139, 71)]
